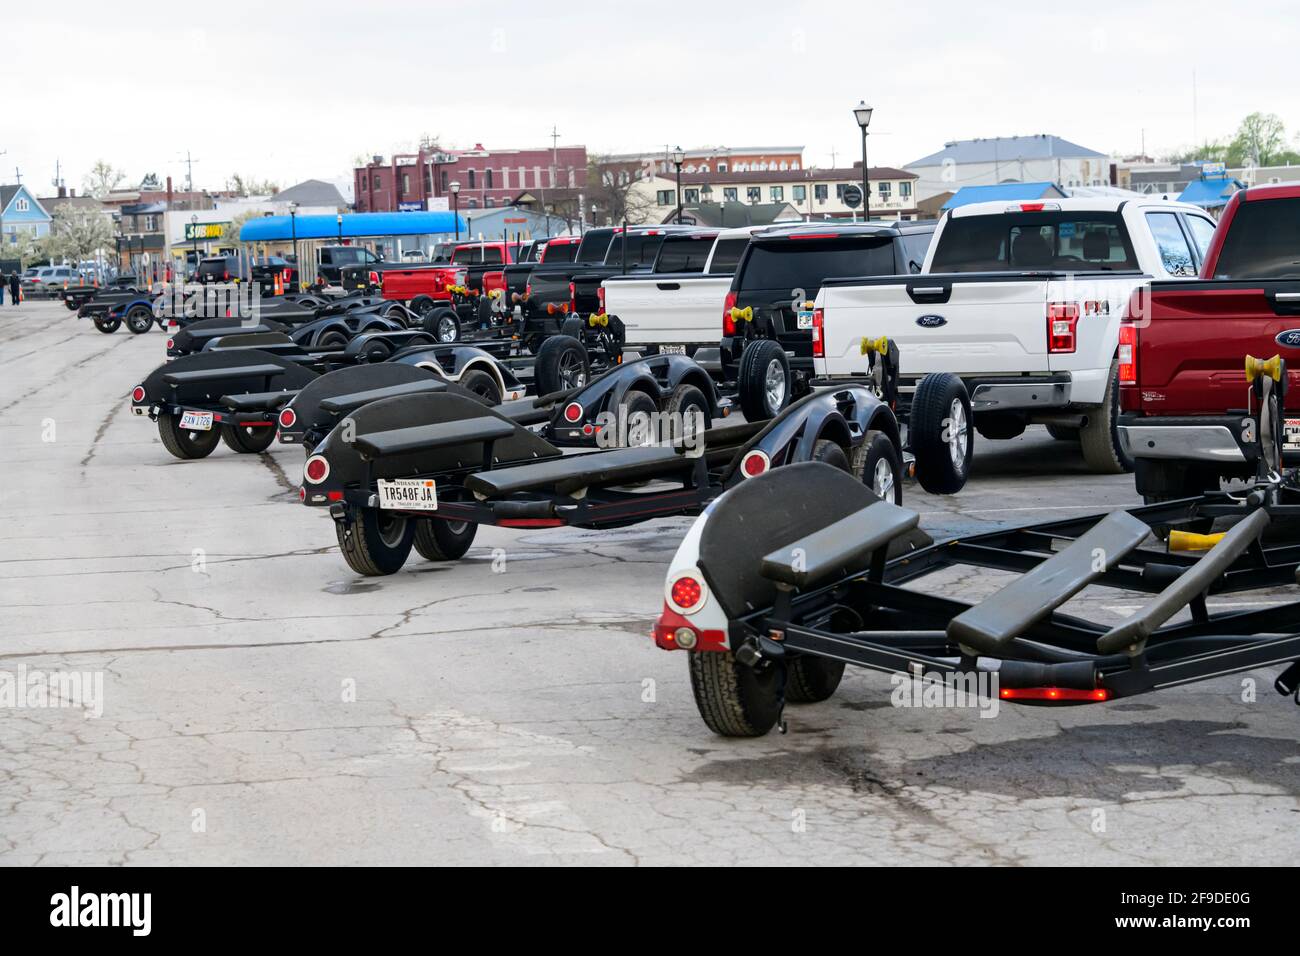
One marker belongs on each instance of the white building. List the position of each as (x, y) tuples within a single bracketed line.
[(987, 162)]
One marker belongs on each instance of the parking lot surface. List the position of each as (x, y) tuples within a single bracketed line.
[(263, 704)]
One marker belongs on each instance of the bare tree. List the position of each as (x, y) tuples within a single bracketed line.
[(242, 185), (79, 232), (614, 193), (102, 179)]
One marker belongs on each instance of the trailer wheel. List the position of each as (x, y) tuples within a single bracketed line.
[(140, 319), (184, 444), (106, 325), (248, 440), (1099, 437), (940, 432), (422, 305), (734, 700), (683, 405), (376, 352), (72, 306), (333, 339), (831, 453), (809, 680), (481, 384), (764, 380), (1063, 432), (440, 540), (445, 324), (638, 409), (377, 543), (533, 342), (882, 467), (561, 364), (572, 327)]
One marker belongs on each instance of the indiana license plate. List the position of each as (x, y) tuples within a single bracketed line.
[(408, 494)]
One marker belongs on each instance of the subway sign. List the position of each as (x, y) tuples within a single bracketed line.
[(205, 230)]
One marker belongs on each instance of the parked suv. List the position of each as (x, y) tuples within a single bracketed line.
[(49, 280)]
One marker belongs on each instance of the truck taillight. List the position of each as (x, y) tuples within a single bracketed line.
[(225, 276), (1128, 354), (374, 277), (600, 296), (1062, 322), (819, 343), (573, 297), (728, 323)]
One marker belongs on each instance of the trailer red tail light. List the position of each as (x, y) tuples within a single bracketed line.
[(171, 344), (287, 418), (137, 394), (1053, 694), (728, 323), (818, 341), (755, 463), (1128, 354), (674, 632), (316, 470), (685, 593), (528, 289), (1062, 322), (573, 412)]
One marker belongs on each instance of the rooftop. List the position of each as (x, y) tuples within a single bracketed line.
[(1006, 148)]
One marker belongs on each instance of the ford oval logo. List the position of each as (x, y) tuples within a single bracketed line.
[(1290, 339), (931, 321)]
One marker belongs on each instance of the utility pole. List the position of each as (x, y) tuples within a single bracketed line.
[(555, 154), (189, 171), (58, 178)]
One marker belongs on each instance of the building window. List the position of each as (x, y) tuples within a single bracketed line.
[(692, 196), (722, 167), (487, 179), (665, 197), (754, 194), (799, 193), (489, 202), (777, 193), (406, 184), (884, 190), (819, 193), (470, 174), (428, 179), (904, 190), (729, 194), (473, 204), (150, 223), (364, 187), (379, 183), (22, 205)]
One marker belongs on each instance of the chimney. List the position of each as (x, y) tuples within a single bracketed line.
[(169, 192), (63, 193), (73, 192)]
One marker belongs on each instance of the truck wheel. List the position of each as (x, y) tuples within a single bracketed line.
[(377, 543), (247, 440), (1063, 432), (1099, 437), (481, 384), (561, 364), (106, 325), (184, 444), (439, 540), (445, 324), (1000, 427), (139, 320), (764, 380), (734, 700), (882, 468), (809, 680), (940, 433)]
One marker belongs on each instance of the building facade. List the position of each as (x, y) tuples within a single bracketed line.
[(626, 167), (487, 178), (21, 214), (1000, 159)]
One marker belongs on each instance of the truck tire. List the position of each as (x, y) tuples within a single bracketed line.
[(140, 319), (1000, 427), (734, 700), (439, 540), (376, 543), (561, 364), (882, 467), (809, 680), (106, 325), (186, 445), (1063, 432), (481, 384), (1099, 437), (940, 433), (763, 380), (246, 440)]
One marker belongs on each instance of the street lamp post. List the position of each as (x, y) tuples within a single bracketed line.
[(678, 157), (293, 228), (862, 113), (455, 206), (194, 239), (339, 219), (550, 208)]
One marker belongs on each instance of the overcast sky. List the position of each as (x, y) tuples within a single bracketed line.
[(291, 90)]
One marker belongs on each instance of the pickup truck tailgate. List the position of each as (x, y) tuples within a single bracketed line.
[(667, 308), (942, 323)]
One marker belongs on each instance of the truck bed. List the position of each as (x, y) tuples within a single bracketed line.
[(668, 308)]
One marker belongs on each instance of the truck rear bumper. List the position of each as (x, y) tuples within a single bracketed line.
[(1221, 439)]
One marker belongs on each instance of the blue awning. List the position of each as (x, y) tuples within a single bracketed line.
[(1004, 192), (1210, 193), (357, 225)]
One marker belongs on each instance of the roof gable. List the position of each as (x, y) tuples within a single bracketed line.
[(9, 196), (1006, 149)]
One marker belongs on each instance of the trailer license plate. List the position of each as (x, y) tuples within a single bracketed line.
[(408, 494), (672, 350), (196, 421), (1291, 434), (804, 319)]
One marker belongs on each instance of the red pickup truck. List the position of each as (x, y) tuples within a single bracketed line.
[(1186, 414)]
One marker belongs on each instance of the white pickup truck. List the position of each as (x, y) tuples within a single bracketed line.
[(1022, 303), (677, 307)]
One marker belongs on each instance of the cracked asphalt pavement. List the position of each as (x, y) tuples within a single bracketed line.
[(264, 705)]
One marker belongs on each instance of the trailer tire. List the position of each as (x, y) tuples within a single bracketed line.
[(830, 453), (376, 543), (561, 364), (185, 445), (246, 440), (106, 325), (763, 380), (333, 339), (445, 325), (1099, 437), (439, 540), (421, 305), (940, 432), (882, 467), (139, 320), (734, 700), (1063, 432), (534, 341), (573, 327), (481, 384), (809, 680)]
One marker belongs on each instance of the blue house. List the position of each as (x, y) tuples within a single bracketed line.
[(21, 212)]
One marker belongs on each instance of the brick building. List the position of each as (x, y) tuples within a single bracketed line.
[(488, 178)]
